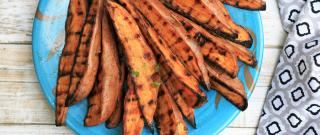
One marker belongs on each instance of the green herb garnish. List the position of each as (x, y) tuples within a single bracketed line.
[(156, 84), (158, 66), (135, 74)]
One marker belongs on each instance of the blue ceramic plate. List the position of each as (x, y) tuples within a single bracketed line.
[(48, 40)]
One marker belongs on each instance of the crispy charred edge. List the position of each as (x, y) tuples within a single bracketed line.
[(204, 36), (202, 39), (214, 31), (142, 21), (167, 76), (71, 98), (262, 6), (226, 83), (230, 95), (64, 110)]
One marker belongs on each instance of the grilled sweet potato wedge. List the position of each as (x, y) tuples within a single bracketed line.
[(236, 99), (232, 83), (210, 44), (103, 99), (212, 51), (175, 36), (74, 26), (87, 57), (168, 117), (247, 4), (140, 60), (212, 16), (133, 122)]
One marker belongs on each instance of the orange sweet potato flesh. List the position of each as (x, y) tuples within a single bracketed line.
[(247, 4), (210, 44), (104, 98), (210, 15), (172, 31), (77, 13), (168, 117), (140, 60), (87, 57), (133, 122)]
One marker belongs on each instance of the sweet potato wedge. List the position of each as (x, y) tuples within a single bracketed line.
[(210, 15), (103, 99), (77, 12), (87, 57), (212, 50), (133, 122), (247, 4), (210, 44), (219, 76), (239, 101), (175, 36), (168, 117), (140, 60)]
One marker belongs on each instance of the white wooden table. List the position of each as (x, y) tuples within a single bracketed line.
[(23, 108)]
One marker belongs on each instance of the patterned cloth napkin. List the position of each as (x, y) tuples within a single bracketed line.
[(292, 106)]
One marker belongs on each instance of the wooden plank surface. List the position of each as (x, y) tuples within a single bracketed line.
[(23, 108)]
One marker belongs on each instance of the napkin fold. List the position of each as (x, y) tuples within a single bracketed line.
[(292, 105)]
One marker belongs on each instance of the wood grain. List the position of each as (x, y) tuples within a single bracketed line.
[(23, 108)]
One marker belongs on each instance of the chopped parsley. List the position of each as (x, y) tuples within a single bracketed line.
[(156, 84), (135, 74)]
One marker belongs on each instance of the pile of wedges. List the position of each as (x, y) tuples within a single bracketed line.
[(140, 61)]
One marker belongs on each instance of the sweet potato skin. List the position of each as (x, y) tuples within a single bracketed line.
[(247, 4), (103, 99), (175, 36), (87, 57), (140, 60), (168, 117), (77, 12), (133, 122), (116, 116)]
